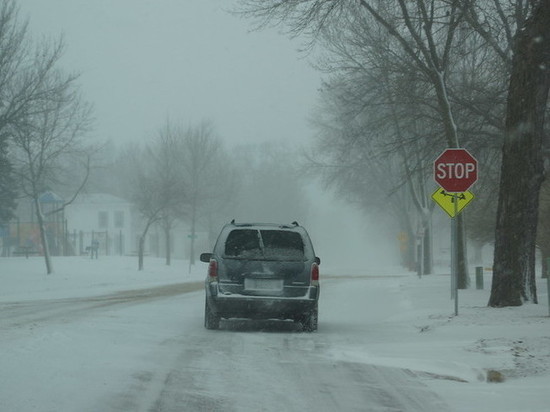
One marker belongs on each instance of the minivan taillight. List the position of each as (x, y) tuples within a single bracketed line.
[(315, 273), (212, 270)]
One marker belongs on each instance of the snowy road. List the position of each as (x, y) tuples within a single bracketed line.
[(147, 350)]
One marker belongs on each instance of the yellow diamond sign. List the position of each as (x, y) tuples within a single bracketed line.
[(447, 200)]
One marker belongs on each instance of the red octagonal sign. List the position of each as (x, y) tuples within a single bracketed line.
[(455, 170)]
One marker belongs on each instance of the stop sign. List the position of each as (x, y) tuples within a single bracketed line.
[(455, 170)]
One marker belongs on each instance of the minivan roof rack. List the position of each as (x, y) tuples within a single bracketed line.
[(284, 225)]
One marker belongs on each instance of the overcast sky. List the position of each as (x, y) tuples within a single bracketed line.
[(143, 61)]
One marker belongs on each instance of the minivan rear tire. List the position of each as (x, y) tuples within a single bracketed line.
[(211, 320), (309, 320)]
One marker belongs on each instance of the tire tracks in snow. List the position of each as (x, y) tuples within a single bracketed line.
[(21, 314)]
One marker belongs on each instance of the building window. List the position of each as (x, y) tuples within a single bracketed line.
[(119, 219), (103, 220)]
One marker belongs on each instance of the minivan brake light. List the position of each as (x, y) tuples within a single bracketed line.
[(212, 270), (314, 273)]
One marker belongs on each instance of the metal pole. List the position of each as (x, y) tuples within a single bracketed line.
[(453, 257), (455, 251)]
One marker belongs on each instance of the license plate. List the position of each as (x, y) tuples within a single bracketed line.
[(263, 284)]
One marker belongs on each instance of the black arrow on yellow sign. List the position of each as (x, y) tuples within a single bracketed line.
[(446, 200)]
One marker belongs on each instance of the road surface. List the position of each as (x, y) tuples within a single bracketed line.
[(147, 350)]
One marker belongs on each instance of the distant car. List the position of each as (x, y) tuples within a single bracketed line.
[(262, 271)]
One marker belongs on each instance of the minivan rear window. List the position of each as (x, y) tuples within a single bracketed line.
[(243, 243), (264, 244)]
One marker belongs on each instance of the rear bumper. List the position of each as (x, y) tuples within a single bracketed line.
[(261, 307)]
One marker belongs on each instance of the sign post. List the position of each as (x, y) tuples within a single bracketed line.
[(455, 170)]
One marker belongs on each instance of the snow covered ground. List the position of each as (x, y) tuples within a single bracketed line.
[(379, 317)]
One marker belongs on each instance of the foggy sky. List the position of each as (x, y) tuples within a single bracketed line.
[(143, 61)]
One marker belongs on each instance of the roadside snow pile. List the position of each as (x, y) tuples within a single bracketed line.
[(512, 341), (483, 359), (79, 276), (528, 356)]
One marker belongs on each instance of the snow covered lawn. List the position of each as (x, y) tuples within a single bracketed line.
[(407, 323), (26, 279), (458, 355)]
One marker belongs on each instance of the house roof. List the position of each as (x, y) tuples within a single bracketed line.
[(50, 197), (99, 198)]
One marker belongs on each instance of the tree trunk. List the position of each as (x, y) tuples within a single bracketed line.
[(428, 252), (142, 238), (168, 245), (193, 228), (545, 254), (141, 251), (522, 163), (43, 237)]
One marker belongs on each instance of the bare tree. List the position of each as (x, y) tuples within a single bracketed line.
[(512, 37), (169, 155), (50, 132), (421, 33), (406, 44), (183, 175), (154, 184), (387, 132), (18, 86), (518, 33), (522, 169), (208, 176)]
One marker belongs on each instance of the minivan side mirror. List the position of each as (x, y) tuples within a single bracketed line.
[(205, 257), (317, 260)]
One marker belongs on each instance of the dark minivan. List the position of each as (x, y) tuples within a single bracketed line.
[(262, 271)]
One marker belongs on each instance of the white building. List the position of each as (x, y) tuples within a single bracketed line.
[(100, 216)]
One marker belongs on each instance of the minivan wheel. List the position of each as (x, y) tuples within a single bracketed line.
[(211, 320), (310, 320)]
